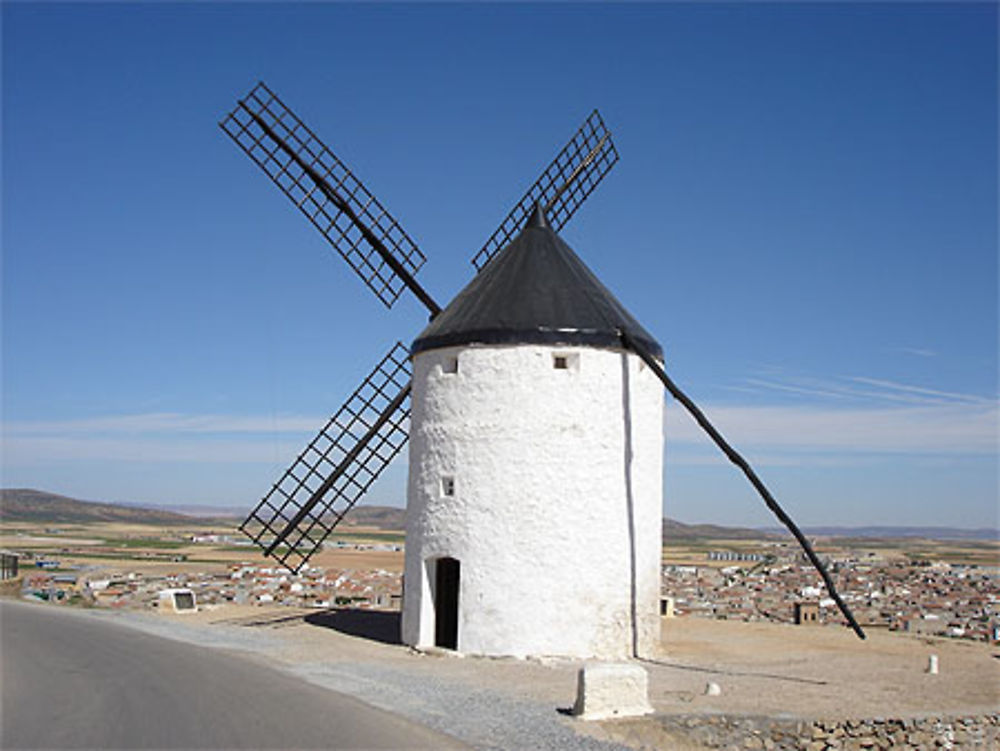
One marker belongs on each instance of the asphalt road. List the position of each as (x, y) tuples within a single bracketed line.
[(73, 681)]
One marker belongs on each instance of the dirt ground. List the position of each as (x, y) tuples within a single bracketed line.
[(778, 669), (361, 560), (762, 669)]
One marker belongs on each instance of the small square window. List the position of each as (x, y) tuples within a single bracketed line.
[(450, 365), (565, 360), (447, 486)]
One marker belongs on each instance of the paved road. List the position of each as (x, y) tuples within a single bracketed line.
[(75, 681)]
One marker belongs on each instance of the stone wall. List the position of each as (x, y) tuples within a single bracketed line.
[(10, 587), (728, 732)]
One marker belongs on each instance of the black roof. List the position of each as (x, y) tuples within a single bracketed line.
[(535, 291)]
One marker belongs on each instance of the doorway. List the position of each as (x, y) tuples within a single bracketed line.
[(446, 581)]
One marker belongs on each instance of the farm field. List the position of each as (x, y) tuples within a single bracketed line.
[(152, 549), (903, 550), (156, 549)]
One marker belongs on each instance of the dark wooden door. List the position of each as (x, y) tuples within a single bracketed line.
[(446, 603)]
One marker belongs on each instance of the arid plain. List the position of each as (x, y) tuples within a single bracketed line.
[(771, 670)]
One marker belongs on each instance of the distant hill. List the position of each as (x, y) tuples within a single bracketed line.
[(927, 533), (381, 517), (26, 505), (675, 530), (228, 513), (39, 506)]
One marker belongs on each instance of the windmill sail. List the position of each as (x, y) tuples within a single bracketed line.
[(562, 187), (337, 467), (359, 228), (630, 342)]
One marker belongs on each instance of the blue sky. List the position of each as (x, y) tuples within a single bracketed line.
[(805, 215)]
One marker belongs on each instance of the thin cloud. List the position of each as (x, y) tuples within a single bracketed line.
[(916, 351), (865, 389), (950, 430), (688, 455), (158, 437), (834, 390), (906, 388), (929, 422), (42, 451), (789, 388), (168, 423), (20, 451)]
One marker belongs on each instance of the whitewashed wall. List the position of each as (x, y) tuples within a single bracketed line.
[(540, 518)]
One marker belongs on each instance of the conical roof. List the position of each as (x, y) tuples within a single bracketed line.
[(535, 291)]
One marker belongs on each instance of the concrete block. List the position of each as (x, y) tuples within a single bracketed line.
[(177, 600), (606, 690)]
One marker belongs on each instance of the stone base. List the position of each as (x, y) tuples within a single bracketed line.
[(606, 690)]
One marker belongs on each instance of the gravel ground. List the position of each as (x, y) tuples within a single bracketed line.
[(482, 717), (422, 688)]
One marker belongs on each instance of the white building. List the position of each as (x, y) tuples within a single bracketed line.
[(179, 600), (535, 490)]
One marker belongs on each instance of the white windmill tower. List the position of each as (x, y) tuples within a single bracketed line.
[(535, 482), (535, 490)]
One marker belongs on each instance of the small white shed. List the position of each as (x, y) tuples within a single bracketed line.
[(179, 600)]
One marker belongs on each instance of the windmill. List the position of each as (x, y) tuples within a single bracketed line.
[(571, 315)]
